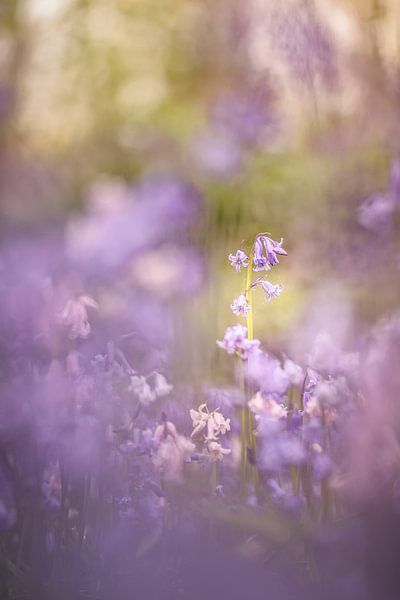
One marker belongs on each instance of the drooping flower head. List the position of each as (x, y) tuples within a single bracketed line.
[(260, 261), (272, 291), (266, 252)]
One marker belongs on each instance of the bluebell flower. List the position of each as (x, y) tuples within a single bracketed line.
[(236, 341), (240, 306), (239, 260), (375, 213), (233, 338), (266, 252), (272, 290), (260, 261)]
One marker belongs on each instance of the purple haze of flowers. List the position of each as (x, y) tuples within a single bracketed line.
[(246, 116), (123, 220), (239, 260), (267, 374), (305, 43), (394, 180)]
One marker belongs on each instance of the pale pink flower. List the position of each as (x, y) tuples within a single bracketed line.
[(216, 451), (74, 316), (267, 406)]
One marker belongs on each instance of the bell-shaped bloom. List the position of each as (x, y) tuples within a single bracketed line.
[(260, 261), (272, 290), (240, 306), (266, 252), (239, 260)]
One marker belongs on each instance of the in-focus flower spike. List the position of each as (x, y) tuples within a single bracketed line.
[(240, 306), (272, 291), (239, 260)]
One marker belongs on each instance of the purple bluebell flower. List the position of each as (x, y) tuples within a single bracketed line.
[(304, 43), (239, 260), (272, 291), (236, 341), (375, 213), (124, 220), (266, 372), (271, 248), (280, 449), (244, 116), (294, 372), (218, 154), (260, 261), (240, 306), (233, 338), (250, 348)]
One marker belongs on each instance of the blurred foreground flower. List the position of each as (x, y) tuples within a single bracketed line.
[(74, 316)]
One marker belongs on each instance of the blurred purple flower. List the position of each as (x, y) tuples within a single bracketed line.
[(233, 338), (246, 116), (304, 42), (123, 220), (394, 181), (74, 316), (376, 212), (267, 373), (236, 341), (217, 153)]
